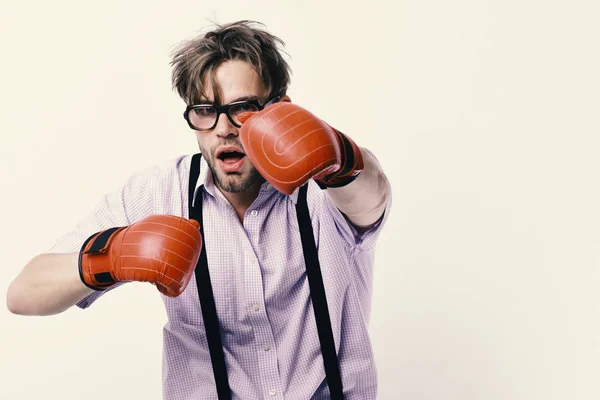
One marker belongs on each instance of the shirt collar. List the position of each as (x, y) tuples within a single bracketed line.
[(207, 180)]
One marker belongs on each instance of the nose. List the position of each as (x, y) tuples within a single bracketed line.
[(224, 127)]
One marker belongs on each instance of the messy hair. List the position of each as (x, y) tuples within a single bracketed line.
[(195, 61)]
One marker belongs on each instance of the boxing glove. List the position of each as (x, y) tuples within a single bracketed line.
[(288, 145), (160, 249)]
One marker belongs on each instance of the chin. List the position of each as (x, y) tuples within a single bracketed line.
[(233, 183), (238, 182)]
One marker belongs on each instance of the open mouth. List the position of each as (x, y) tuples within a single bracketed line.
[(230, 158)]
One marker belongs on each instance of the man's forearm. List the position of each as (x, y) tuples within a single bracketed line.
[(363, 201), (49, 284)]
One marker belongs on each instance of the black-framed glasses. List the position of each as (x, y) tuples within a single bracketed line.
[(204, 117)]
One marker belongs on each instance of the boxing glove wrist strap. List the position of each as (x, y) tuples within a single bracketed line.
[(352, 164), (94, 262)]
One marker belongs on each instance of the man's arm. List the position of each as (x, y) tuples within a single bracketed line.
[(49, 284), (289, 145), (160, 249), (363, 200)]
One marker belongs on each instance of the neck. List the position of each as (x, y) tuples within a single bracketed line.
[(241, 201)]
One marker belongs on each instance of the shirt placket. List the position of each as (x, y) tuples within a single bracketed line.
[(267, 367)]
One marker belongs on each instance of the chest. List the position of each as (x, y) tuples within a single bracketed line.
[(258, 267), (257, 263)]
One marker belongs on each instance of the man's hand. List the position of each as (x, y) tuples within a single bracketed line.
[(288, 146), (160, 249)]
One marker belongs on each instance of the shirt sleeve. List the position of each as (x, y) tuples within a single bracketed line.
[(122, 207), (361, 240)]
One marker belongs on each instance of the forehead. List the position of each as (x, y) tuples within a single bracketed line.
[(232, 80)]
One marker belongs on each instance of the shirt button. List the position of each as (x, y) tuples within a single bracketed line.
[(255, 307), (254, 213), (267, 347), (272, 392)]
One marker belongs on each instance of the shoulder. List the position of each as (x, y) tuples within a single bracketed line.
[(157, 188), (164, 173), (173, 166)]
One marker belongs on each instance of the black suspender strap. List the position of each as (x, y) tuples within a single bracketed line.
[(194, 174), (205, 292), (317, 293), (315, 281)]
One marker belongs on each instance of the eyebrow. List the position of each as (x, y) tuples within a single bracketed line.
[(241, 98)]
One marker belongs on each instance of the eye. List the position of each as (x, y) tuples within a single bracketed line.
[(243, 107), (248, 107), (204, 111)]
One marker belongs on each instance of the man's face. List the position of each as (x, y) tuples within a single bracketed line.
[(221, 146)]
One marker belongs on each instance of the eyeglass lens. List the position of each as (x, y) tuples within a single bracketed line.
[(205, 117)]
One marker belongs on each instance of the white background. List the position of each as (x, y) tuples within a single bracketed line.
[(484, 114)]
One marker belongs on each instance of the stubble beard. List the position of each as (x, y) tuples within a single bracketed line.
[(236, 182)]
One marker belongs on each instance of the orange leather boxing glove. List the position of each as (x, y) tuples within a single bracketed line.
[(160, 249), (288, 145)]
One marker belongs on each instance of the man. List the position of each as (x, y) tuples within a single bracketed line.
[(262, 247)]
